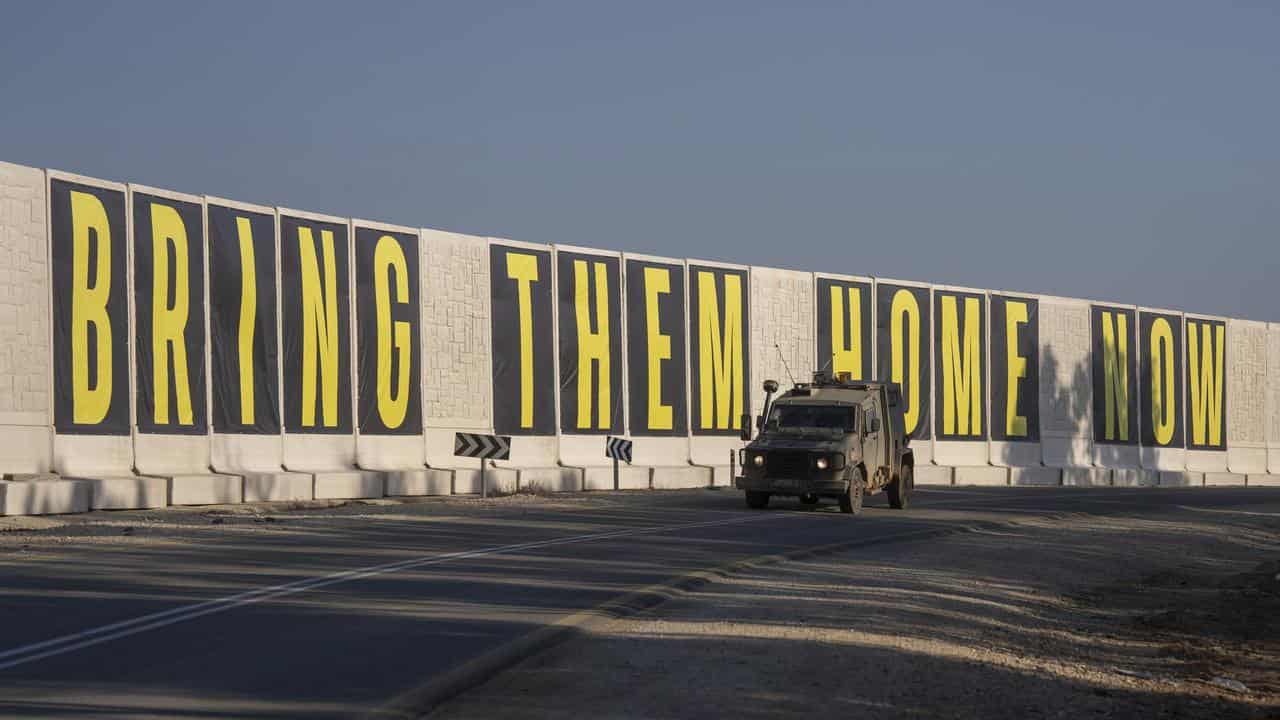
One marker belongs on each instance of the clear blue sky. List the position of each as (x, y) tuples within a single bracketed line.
[(1118, 151)]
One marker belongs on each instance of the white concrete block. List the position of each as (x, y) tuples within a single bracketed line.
[(1226, 479), (932, 475), (630, 477), (238, 454), (349, 484), (1015, 454), (25, 449), (314, 453), (93, 455), (279, 486), (1162, 458), (1086, 477), (466, 481), (428, 481), (1273, 398), (550, 479), (129, 492), (45, 497), (1263, 480), (713, 452), (1041, 476), (1134, 477), (456, 338), (957, 454), (689, 476), (1181, 478), (1116, 456), (390, 452), (166, 455), (1066, 389), (981, 475), (1207, 461), (1246, 396), (206, 489)]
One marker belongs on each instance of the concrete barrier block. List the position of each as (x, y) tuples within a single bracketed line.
[(1086, 477), (206, 489), (26, 450), (390, 453), (689, 476), (630, 477), (932, 475), (349, 484), (1134, 477), (1181, 478), (131, 492), (429, 481), (466, 481), (1040, 476), (981, 475), (1263, 480), (1246, 407), (278, 486), (45, 496), (550, 479), (1066, 391), (1227, 479)]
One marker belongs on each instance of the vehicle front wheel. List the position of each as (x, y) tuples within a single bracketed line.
[(809, 499), (757, 500), (851, 501), (899, 491)]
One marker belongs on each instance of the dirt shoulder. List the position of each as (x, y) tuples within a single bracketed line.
[(1174, 615)]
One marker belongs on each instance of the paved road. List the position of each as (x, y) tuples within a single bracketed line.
[(327, 613)]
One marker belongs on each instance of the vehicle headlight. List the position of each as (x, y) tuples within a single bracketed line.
[(822, 463), (757, 460)]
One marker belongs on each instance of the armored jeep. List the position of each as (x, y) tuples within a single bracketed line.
[(830, 438)]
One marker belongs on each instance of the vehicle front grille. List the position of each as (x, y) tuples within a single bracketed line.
[(787, 463)]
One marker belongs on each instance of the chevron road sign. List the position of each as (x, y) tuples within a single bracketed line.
[(484, 447), (618, 449)]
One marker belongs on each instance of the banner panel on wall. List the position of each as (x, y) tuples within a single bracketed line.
[(1015, 368), (656, 348), (168, 289), (960, 365), (1206, 343), (315, 325), (720, 369), (904, 354), (91, 335), (242, 321), (524, 377), (590, 297), (844, 327), (1160, 373), (1115, 375), (388, 332)]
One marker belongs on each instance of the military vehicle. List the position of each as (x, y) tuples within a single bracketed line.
[(830, 438)]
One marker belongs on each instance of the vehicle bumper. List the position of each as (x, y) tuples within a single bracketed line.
[(835, 485)]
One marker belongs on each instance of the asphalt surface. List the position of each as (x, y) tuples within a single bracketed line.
[(329, 613)]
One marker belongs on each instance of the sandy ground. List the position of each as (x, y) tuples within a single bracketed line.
[(1175, 615)]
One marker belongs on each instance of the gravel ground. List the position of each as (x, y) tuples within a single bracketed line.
[(1174, 615)]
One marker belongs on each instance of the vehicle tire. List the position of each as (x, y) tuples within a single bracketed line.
[(757, 500), (809, 499), (851, 501), (899, 491)]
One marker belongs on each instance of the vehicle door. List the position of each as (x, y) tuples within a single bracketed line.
[(873, 440)]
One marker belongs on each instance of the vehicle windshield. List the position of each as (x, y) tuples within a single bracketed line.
[(827, 417)]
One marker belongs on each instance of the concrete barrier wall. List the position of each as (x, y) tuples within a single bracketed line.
[(432, 333), (26, 404)]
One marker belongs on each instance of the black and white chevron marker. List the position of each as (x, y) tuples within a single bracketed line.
[(485, 447), (618, 449)]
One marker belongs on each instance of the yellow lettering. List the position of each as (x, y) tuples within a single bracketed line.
[(961, 376), (720, 362), (905, 307), (523, 268), (393, 403), (592, 346), (1163, 402), (1015, 314), (657, 281), (89, 405), (319, 328), (846, 350), (248, 317), (1205, 354), (1115, 364), (168, 324)]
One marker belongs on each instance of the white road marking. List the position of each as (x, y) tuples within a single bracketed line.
[(95, 636)]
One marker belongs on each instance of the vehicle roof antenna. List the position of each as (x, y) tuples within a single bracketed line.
[(783, 358), (829, 361)]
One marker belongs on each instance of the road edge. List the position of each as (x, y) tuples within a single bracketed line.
[(425, 698)]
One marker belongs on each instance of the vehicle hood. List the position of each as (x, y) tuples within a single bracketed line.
[(789, 441)]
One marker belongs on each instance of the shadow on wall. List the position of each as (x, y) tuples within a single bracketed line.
[(1066, 406)]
